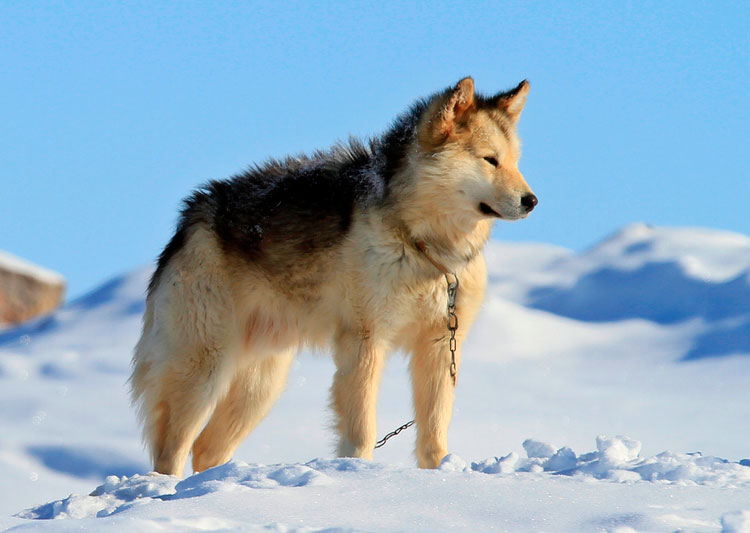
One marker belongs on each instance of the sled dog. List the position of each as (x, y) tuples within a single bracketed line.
[(347, 248)]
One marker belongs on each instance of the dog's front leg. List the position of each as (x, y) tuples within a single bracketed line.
[(433, 395), (359, 362)]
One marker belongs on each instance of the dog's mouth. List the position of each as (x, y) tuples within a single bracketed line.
[(487, 210)]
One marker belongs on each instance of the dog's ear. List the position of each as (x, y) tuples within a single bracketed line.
[(453, 108), (512, 102)]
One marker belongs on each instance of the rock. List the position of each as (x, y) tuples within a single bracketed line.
[(27, 290)]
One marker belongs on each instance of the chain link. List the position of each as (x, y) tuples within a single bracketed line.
[(452, 323), (393, 433), (452, 291)]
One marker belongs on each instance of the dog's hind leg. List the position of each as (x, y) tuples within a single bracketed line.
[(187, 354), (359, 363), (184, 395), (253, 392), (176, 385)]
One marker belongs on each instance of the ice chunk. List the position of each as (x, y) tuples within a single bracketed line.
[(535, 448), (453, 463)]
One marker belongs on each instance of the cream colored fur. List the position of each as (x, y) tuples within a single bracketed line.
[(219, 335)]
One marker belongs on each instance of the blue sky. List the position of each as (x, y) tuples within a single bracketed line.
[(112, 112)]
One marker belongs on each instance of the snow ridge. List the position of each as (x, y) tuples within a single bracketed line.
[(617, 459)]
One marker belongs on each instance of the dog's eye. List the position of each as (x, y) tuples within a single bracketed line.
[(491, 160)]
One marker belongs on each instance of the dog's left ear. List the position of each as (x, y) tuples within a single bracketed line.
[(512, 102), (454, 109)]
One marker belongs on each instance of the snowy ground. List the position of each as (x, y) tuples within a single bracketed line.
[(646, 334)]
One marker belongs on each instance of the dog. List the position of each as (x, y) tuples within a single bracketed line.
[(350, 248)]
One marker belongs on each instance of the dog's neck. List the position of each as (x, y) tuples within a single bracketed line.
[(427, 253), (451, 256), (445, 251)]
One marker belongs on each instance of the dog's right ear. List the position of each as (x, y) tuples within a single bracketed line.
[(451, 110), (512, 102)]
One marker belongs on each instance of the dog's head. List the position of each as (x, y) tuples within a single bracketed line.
[(468, 152)]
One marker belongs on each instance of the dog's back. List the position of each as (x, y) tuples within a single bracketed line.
[(283, 210)]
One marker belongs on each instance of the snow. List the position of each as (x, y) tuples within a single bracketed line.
[(366, 496), (617, 460), (581, 370), (705, 273), (12, 263)]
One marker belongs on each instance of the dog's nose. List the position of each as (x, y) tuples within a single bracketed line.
[(529, 202)]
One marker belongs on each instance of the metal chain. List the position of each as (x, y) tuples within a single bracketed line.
[(393, 433), (452, 322), (452, 291)]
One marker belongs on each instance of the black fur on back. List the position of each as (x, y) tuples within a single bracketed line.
[(307, 201), (304, 202)]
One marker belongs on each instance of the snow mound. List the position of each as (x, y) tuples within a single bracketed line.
[(735, 522), (662, 274), (706, 254), (120, 493), (113, 496), (617, 459)]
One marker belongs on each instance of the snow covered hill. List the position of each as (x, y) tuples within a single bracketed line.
[(646, 334), (667, 275)]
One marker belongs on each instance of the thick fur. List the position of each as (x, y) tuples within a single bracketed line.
[(321, 251)]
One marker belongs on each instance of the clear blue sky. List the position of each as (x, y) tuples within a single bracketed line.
[(111, 112)]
